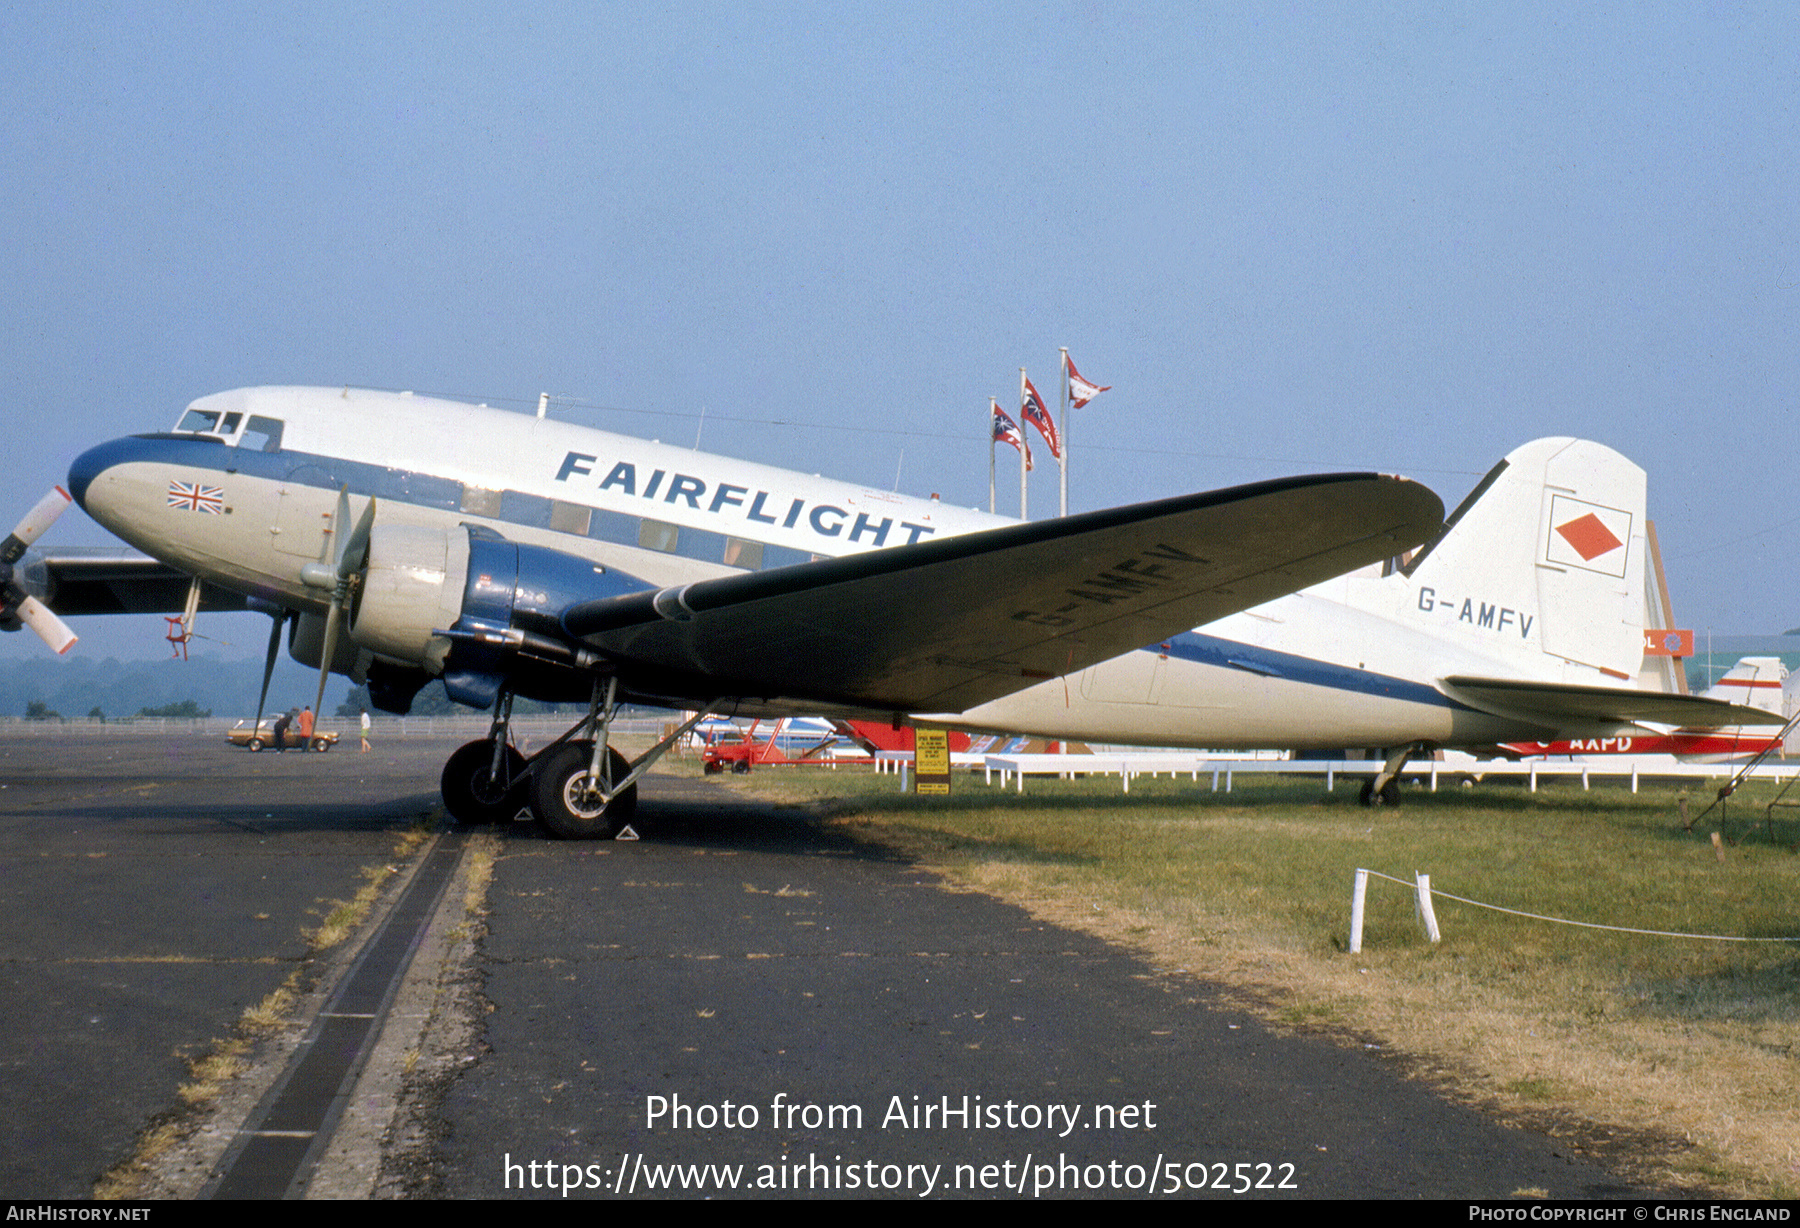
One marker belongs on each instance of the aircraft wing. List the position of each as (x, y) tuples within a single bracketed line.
[(944, 625), (1557, 705), (103, 580)]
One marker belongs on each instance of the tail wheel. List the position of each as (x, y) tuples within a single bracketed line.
[(1389, 794), (562, 803), (472, 795)]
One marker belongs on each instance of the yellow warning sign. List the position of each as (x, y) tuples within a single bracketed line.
[(931, 761)]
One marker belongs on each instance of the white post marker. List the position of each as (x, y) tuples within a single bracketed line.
[(1357, 895), (1422, 892)]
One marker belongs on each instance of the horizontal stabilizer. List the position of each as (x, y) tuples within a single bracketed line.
[(1557, 704), (944, 625)]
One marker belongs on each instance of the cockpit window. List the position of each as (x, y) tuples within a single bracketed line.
[(262, 434)]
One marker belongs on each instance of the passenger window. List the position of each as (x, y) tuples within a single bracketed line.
[(655, 535), (479, 501), (742, 553), (570, 518)]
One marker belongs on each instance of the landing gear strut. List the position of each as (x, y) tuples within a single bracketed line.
[(1384, 788)]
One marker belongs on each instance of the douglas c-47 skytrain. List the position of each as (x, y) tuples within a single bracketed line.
[(402, 538)]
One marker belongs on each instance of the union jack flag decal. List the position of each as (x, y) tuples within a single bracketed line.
[(193, 497)]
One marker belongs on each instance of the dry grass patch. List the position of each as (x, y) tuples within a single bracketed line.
[(1682, 1050)]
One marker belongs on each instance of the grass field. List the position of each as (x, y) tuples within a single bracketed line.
[(1674, 1056)]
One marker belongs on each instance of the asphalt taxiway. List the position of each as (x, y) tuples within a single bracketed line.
[(743, 1002)]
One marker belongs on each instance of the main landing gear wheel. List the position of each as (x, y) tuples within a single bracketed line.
[(1389, 795), (561, 802), (472, 795)]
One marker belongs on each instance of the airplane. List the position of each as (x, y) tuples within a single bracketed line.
[(400, 538), (1758, 682)]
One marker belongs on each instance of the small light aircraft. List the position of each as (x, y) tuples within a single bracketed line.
[(402, 538), (1756, 682)]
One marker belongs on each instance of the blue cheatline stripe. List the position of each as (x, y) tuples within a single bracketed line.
[(390, 485), (1228, 654)]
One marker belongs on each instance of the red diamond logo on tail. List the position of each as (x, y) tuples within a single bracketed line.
[(1590, 538)]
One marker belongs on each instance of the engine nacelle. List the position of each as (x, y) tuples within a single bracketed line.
[(414, 585), (306, 644), (498, 597)]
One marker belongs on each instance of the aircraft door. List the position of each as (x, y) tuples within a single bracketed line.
[(303, 519)]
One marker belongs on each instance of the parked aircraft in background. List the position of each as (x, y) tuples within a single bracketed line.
[(404, 538), (1756, 682)]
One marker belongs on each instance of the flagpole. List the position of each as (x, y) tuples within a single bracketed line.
[(1062, 462), (1022, 515), (993, 419)]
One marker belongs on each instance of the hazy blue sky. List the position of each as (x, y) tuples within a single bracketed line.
[(1292, 237)]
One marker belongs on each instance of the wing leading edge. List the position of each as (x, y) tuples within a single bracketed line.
[(944, 625), (104, 580)]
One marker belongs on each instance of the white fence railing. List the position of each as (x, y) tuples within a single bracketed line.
[(474, 725)]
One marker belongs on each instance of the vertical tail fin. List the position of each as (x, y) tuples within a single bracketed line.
[(1543, 564), (1755, 682)]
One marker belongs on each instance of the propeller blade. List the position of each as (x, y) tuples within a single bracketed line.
[(332, 618), (352, 557), (356, 547), (41, 619), (32, 527), (339, 519), (349, 551), (269, 668)]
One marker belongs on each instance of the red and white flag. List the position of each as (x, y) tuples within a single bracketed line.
[(1080, 390), (1031, 408), (1007, 431)]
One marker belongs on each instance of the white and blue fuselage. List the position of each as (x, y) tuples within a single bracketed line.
[(243, 492)]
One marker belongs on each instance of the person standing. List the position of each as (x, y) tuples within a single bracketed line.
[(365, 731), (306, 727)]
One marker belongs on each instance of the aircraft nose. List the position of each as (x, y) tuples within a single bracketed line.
[(94, 462)]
